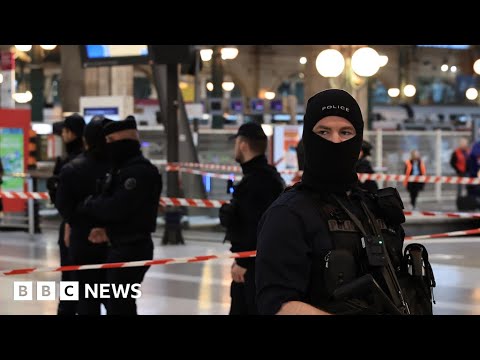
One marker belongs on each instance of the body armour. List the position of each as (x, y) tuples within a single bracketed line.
[(339, 258)]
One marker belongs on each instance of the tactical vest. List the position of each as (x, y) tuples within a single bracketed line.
[(346, 260)]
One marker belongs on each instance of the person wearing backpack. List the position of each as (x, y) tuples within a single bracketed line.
[(326, 246)]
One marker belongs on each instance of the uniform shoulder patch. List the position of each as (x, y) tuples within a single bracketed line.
[(130, 184)]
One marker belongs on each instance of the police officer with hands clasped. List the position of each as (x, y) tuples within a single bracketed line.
[(79, 179), (125, 212), (326, 246)]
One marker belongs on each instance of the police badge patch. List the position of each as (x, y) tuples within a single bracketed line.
[(130, 184)]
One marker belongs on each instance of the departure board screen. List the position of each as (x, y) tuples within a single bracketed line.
[(105, 55)]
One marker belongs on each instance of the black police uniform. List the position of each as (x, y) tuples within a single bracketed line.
[(259, 187), (127, 208), (78, 180), (73, 149), (308, 244)]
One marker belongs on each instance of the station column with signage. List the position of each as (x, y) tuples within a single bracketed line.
[(14, 139)]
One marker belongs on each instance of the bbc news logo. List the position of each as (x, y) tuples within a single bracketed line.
[(69, 290)]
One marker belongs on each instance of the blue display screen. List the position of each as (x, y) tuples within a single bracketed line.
[(109, 112), (237, 105), (112, 51), (276, 105), (453, 47), (257, 105)]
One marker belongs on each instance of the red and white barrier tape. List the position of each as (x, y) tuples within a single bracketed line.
[(167, 261), (24, 195), (456, 215), (449, 234), (232, 168), (205, 203), (164, 201), (204, 173), (193, 259), (185, 167), (362, 177), (421, 179)]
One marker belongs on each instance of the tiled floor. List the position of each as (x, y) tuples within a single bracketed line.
[(203, 288)]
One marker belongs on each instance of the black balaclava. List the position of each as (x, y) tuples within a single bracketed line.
[(330, 167), (120, 151)]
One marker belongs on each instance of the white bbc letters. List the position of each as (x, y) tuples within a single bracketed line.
[(46, 290), (68, 290), (22, 290)]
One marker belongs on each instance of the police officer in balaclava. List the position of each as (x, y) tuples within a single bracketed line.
[(332, 148), (126, 210), (306, 231), (79, 179)]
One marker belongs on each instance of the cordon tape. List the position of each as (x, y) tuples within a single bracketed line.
[(194, 259)]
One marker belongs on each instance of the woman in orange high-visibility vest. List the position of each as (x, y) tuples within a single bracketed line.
[(415, 167)]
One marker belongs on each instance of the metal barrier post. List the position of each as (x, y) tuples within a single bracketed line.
[(438, 163), (31, 220), (379, 154)]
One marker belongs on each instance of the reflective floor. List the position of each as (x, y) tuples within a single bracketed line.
[(203, 288)]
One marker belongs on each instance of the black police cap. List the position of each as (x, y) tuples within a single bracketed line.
[(75, 123), (250, 130), (128, 124)]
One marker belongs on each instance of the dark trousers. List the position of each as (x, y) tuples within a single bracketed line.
[(243, 295), (89, 305), (460, 187), (65, 307), (128, 275), (82, 254), (413, 190)]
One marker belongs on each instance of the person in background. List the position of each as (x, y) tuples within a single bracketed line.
[(364, 166), (260, 186), (414, 167), (71, 131), (301, 162), (458, 161), (459, 157), (473, 169)]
